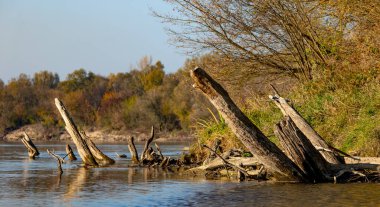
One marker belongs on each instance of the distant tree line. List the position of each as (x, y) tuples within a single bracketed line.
[(132, 100)]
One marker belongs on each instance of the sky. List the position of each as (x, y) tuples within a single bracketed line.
[(102, 36)]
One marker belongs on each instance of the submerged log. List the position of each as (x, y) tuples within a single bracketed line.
[(133, 151), (87, 150), (70, 153), (301, 151), (258, 144), (144, 153), (305, 127), (32, 149)]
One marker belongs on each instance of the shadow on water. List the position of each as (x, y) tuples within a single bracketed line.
[(37, 183)]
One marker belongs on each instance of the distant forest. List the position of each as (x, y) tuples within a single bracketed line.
[(132, 100)]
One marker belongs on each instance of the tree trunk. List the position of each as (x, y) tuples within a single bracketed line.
[(70, 153), (300, 150), (87, 150), (258, 144), (133, 151), (306, 129), (32, 149)]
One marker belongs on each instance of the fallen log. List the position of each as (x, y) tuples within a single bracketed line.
[(70, 153), (304, 126), (32, 149), (275, 161), (87, 150), (301, 151), (133, 151)]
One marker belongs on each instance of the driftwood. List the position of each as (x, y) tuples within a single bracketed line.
[(87, 150), (133, 151), (275, 161), (32, 149), (70, 153), (59, 161), (212, 155), (304, 126), (159, 151), (145, 153), (300, 150), (304, 162)]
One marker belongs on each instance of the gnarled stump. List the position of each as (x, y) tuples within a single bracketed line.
[(301, 151), (32, 149), (258, 144), (70, 153), (144, 153), (133, 151)]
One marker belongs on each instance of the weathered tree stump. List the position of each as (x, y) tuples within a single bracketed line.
[(59, 161), (145, 153), (258, 144), (70, 153), (87, 150), (301, 151), (133, 151), (305, 127), (32, 149)]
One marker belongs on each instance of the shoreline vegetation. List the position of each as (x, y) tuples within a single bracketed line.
[(322, 57)]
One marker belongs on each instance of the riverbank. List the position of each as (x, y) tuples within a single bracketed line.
[(40, 133)]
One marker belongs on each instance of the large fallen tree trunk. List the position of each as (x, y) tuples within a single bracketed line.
[(300, 150), (267, 153), (305, 127), (87, 150), (32, 149)]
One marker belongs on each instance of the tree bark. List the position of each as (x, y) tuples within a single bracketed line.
[(87, 150), (301, 151), (133, 151), (258, 144), (305, 127), (32, 149), (70, 153), (80, 143)]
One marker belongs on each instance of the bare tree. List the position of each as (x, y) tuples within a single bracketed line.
[(273, 35)]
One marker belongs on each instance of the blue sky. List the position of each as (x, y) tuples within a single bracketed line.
[(103, 36)]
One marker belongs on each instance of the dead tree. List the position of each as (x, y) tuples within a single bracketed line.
[(258, 144), (305, 127), (133, 151), (301, 151), (70, 153), (144, 153), (87, 150), (159, 151), (59, 161), (32, 149)]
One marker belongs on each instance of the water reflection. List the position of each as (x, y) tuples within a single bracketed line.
[(37, 183)]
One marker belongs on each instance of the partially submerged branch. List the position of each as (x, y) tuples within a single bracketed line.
[(32, 149), (59, 161)]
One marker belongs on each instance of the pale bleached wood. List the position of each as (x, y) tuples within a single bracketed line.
[(83, 150), (99, 156), (147, 143), (32, 149), (275, 161), (132, 150), (305, 127)]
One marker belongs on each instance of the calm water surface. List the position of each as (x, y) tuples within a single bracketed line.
[(26, 182)]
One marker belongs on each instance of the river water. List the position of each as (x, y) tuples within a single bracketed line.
[(25, 182)]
